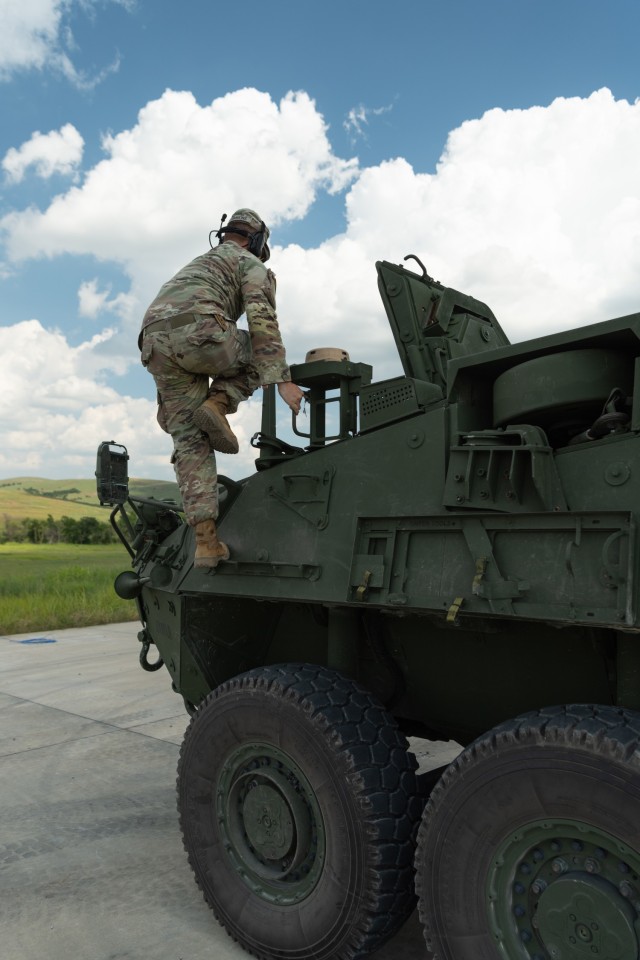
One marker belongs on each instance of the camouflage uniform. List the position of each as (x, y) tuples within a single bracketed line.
[(204, 300)]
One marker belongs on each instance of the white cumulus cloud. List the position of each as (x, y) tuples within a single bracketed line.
[(93, 301), (29, 34), (59, 151), (535, 211), (35, 35), (53, 410), (165, 183)]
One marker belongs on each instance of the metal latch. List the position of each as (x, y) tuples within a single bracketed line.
[(454, 609), (363, 589)]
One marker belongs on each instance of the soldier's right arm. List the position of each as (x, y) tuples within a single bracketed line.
[(258, 294)]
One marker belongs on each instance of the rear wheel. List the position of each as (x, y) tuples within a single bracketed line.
[(298, 805), (529, 847)]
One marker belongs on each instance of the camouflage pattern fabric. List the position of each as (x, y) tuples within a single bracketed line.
[(181, 362), (218, 287), (229, 281)]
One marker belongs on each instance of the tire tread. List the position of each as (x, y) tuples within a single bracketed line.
[(611, 732), (381, 772)]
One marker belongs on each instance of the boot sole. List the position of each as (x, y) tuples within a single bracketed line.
[(220, 436)]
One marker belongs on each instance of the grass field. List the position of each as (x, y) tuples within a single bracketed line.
[(57, 585)]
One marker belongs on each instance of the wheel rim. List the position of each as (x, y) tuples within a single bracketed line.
[(270, 823), (563, 890)]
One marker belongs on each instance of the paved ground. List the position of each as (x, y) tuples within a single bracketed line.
[(91, 861)]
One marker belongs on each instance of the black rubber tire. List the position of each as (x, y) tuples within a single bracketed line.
[(362, 776), (578, 763)]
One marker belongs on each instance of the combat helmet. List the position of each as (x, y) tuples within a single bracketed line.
[(248, 224)]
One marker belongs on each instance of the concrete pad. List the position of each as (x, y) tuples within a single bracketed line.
[(92, 674), (172, 729), (91, 858), (26, 726)]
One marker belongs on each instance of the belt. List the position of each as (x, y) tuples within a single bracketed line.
[(181, 320)]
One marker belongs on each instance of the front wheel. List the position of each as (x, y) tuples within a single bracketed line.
[(298, 805), (529, 847)]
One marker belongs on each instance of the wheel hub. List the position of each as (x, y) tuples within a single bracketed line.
[(270, 823), (582, 915), (563, 890)]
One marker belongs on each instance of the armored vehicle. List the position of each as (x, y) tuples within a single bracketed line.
[(450, 554)]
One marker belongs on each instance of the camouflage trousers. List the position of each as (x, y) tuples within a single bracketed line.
[(182, 362)]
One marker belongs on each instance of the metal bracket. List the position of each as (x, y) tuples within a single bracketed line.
[(481, 567), (488, 583)]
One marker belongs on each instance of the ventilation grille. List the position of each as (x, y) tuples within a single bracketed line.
[(386, 398), (385, 402)]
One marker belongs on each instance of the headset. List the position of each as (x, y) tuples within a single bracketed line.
[(258, 245)]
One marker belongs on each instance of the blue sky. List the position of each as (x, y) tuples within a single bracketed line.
[(498, 140)]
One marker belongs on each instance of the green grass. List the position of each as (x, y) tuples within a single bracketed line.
[(58, 585)]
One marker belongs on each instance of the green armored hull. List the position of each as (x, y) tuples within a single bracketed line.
[(450, 554)]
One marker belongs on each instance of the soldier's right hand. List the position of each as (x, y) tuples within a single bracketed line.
[(291, 394)]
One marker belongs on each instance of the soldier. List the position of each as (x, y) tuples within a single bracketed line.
[(188, 336)]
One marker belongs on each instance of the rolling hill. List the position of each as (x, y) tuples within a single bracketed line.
[(37, 497)]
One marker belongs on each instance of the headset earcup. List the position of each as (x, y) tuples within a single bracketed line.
[(256, 242)]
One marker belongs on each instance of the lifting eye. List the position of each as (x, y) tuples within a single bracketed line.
[(425, 275)]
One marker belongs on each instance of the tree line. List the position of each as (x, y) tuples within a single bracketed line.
[(64, 530)]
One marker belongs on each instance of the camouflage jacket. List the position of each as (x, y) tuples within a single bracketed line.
[(230, 281)]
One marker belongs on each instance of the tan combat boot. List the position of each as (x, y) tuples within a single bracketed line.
[(211, 417), (209, 550)]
